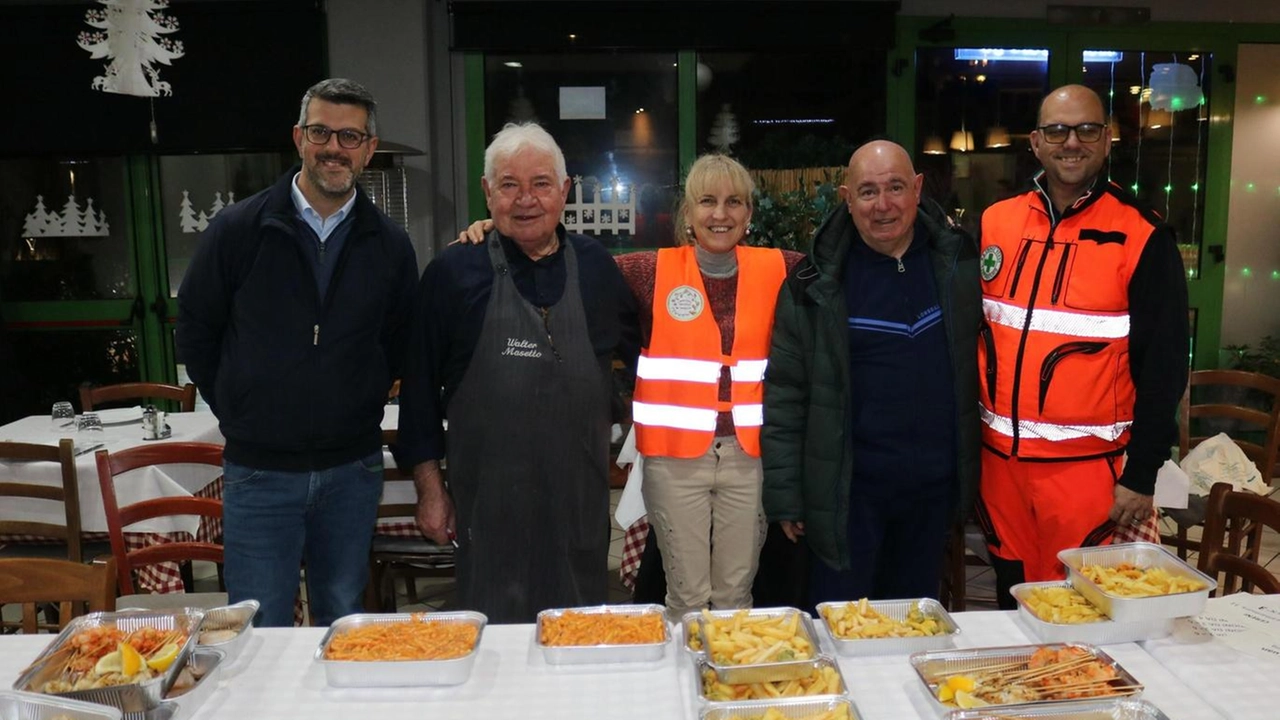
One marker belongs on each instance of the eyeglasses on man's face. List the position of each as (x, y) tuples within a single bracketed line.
[(1058, 133), (347, 138)]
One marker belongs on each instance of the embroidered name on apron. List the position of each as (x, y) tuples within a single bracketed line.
[(522, 348)]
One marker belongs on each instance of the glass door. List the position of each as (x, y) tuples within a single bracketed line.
[(1168, 112)]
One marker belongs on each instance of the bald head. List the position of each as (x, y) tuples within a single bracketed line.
[(1077, 97), (882, 191)]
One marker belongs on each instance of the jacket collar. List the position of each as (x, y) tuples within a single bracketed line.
[(1099, 188), (279, 206)]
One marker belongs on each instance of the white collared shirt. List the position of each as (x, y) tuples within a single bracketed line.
[(322, 226)]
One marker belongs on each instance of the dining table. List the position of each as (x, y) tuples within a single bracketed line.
[(122, 429), (277, 676)]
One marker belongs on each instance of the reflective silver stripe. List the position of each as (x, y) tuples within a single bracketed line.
[(673, 416), (1059, 322), (748, 370), (699, 371), (1032, 429), (748, 415)]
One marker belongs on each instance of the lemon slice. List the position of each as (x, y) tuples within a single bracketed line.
[(130, 660), (961, 682), (966, 701), (161, 659), (109, 663), (946, 693)]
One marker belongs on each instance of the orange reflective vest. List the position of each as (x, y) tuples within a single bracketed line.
[(1054, 349), (677, 395)]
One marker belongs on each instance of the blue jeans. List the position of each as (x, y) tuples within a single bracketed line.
[(272, 519)]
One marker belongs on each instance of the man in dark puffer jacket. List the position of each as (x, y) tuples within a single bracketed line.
[(871, 438)]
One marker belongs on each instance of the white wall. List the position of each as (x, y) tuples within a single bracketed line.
[(1251, 303), (382, 46)]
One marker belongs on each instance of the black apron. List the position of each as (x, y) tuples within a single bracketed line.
[(528, 451)]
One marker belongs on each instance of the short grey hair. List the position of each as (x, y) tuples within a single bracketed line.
[(514, 137), (342, 91)]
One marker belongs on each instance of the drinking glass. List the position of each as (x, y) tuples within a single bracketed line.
[(63, 415), (89, 425)]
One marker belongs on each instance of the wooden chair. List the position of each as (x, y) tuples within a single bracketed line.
[(119, 517), (184, 396), (68, 533), (72, 585), (1215, 397), (1232, 540), (406, 558)]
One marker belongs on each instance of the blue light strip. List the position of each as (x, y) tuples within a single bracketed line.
[(1031, 55)]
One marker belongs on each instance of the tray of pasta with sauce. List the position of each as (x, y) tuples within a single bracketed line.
[(1004, 677), (1137, 581), (126, 660), (401, 649), (603, 634)]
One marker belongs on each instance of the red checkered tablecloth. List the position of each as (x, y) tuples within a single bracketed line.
[(633, 543)]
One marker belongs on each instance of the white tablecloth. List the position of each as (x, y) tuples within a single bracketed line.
[(510, 680), (140, 484), (1238, 685)]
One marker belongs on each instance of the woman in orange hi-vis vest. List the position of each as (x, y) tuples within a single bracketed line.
[(706, 313)]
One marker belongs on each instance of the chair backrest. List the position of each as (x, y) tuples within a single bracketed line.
[(68, 493), (1254, 428), (73, 585), (1232, 539), (120, 516), (184, 395)]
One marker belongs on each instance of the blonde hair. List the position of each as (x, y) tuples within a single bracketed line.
[(707, 172)]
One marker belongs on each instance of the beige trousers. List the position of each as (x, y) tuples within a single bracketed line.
[(710, 525)]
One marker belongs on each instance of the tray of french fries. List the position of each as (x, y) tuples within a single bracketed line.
[(1137, 581), (1021, 675), (823, 681), (603, 634), (401, 649), (885, 627), (1056, 612), (196, 681), (125, 660), (759, 645), (836, 708), (228, 629), (1128, 709), (15, 705)]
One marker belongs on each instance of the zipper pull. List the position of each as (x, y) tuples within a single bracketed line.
[(315, 337), (901, 269)]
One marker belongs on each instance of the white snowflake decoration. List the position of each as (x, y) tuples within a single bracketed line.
[(131, 35)]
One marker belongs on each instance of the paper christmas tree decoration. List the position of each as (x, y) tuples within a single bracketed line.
[(724, 130), (72, 222), (193, 222), (130, 34)]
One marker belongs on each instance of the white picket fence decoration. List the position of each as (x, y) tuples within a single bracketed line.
[(594, 216)]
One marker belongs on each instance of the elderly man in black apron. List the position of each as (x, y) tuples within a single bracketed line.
[(514, 340)]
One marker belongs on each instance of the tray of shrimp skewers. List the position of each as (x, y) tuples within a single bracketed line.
[(1021, 675), (126, 660)]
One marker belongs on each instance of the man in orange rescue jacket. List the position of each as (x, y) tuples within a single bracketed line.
[(1083, 352)]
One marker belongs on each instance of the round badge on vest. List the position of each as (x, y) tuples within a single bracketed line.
[(989, 265), (685, 303)]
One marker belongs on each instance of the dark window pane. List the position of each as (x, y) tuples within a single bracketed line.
[(51, 364), (1160, 104), (974, 115), (64, 229), (614, 116), (193, 188)]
